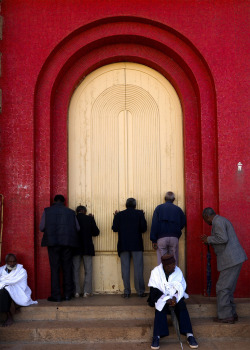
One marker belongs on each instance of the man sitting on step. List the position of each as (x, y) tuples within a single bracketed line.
[(167, 289), (13, 287)]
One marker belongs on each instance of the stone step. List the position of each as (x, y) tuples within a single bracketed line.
[(204, 344), (110, 307), (96, 331)]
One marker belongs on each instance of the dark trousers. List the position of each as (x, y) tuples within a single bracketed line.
[(5, 300), (61, 257), (138, 271), (225, 288), (161, 323)]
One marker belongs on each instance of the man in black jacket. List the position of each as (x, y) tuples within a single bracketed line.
[(130, 224), (60, 227), (88, 229)]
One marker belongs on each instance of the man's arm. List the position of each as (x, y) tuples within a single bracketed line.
[(77, 224), (183, 219), (94, 229), (143, 223), (115, 226), (154, 295), (219, 234)]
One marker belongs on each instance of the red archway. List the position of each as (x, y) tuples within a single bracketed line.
[(161, 48)]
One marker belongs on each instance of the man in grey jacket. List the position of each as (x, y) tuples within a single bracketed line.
[(230, 257)]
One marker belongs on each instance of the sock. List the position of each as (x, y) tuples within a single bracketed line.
[(190, 335)]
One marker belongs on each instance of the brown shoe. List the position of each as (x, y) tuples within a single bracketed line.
[(224, 320)]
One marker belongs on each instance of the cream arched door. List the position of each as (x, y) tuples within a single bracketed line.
[(125, 140)]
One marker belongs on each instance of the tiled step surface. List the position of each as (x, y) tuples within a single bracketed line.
[(110, 322), (114, 307), (112, 330)]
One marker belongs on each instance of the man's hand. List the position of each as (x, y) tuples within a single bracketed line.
[(171, 302), (155, 246), (204, 239), (116, 212)]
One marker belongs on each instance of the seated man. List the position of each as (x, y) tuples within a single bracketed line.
[(167, 289), (13, 287)]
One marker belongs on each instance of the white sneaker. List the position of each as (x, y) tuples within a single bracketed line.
[(77, 295), (86, 295)]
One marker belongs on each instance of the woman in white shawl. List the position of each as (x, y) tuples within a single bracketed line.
[(13, 287), (167, 289)]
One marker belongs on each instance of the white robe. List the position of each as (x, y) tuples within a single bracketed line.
[(175, 286), (15, 283)]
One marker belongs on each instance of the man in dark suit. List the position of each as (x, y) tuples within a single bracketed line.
[(86, 250), (60, 227), (130, 224), (230, 257)]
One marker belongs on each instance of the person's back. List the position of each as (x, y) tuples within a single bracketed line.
[(130, 224), (167, 222), (88, 229), (85, 251), (60, 226), (169, 219)]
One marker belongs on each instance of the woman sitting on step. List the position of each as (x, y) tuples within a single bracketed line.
[(13, 287)]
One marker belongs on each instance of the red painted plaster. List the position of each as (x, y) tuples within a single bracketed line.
[(49, 46)]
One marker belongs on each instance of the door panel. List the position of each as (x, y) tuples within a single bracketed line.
[(125, 140)]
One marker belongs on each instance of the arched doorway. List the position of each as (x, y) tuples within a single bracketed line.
[(125, 140)]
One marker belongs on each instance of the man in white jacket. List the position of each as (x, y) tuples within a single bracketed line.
[(13, 287), (167, 289)]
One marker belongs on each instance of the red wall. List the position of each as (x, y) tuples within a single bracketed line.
[(49, 46)]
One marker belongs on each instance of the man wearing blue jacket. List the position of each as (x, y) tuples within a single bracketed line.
[(167, 223)]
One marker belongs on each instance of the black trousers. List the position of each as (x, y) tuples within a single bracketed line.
[(5, 300), (60, 257), (161, 323)]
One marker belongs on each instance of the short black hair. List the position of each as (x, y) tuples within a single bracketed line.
[(81, 208), (208, 212), (59, 198), (130, 203), (9, 255)]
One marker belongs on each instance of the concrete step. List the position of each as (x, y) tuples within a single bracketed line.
[(109, 307), (97, 331), (204, 344)]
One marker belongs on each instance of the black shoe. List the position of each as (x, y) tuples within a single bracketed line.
[(56, 300), (67, 298), (142, 295), (192, 342), (155, 343), (125, 296)]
